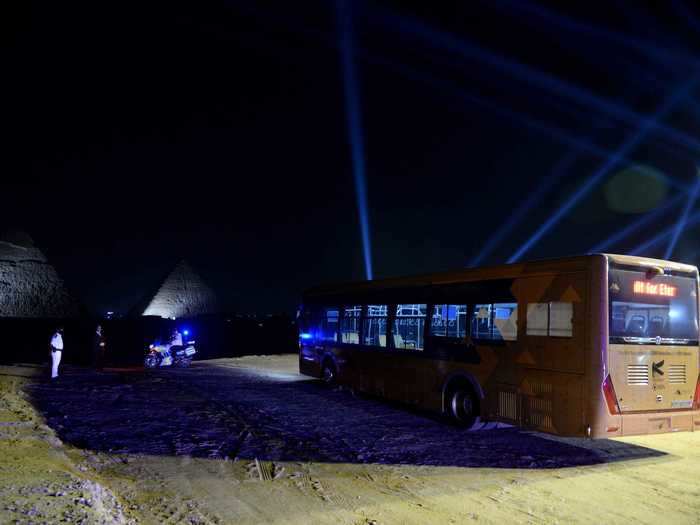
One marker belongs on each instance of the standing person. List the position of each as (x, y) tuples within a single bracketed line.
[(56, 351), (98, 349), (176, 339)]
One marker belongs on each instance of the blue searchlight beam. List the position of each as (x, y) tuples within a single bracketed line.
[(560, 170), (680, 225), (643, 248), (352, 110), (625, 149), (636, 225)]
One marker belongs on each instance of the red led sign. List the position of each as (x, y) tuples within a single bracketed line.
[(660, 289)]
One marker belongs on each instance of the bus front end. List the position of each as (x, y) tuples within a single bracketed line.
[(652, 380)]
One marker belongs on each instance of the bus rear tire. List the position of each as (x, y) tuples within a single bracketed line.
[(463, 407), (328, 374)]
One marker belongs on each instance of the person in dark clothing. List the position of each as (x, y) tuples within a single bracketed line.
[(98, 349)]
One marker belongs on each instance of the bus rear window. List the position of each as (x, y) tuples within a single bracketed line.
[(649, 307)]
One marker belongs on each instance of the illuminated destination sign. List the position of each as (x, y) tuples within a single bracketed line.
[(660, 289)]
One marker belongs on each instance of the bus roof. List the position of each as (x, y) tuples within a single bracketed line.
[(490, 273)]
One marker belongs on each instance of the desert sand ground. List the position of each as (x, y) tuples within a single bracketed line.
[(248, 440)]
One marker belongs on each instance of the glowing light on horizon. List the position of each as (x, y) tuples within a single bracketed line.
[(354, 123)]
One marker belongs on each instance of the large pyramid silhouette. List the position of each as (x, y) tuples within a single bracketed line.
[(182, 294), (29, 285)]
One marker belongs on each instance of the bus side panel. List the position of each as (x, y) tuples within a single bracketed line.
[(539, 380)]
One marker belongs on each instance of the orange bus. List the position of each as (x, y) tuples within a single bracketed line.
[(597, 345)]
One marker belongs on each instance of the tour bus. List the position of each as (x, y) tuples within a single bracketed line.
[(597, 345)]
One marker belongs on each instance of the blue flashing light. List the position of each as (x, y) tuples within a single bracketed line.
[(186, 332), (305, 336)]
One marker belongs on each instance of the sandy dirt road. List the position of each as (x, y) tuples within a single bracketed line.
[(248, 440)]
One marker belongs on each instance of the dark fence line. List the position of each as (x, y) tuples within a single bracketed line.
[(27, 340)]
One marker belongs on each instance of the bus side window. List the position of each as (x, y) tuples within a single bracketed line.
[(505, 321), (497, 321), (438, 321), (561, 319), (555, 319), (374, 332), (537, 318), (409, 324), (449, 320), (482, 326), (350, 325), (330, 325)]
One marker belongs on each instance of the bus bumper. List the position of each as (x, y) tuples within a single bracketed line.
[(653, 423)]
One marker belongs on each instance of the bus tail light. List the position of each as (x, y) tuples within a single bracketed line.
[(696, 398), (610, 397)]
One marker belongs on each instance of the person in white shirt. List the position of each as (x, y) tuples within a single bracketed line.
[(176, 338), (56, 351)]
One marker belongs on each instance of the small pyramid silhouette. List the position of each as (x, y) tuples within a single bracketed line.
[(29, 285), (182, 294)]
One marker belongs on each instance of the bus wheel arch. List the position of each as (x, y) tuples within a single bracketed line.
[(461, 399)]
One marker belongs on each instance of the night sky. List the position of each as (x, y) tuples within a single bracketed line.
[(138, 134)]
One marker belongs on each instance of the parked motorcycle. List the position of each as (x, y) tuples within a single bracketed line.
[(166, 355)]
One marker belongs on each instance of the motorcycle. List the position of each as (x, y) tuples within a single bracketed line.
[(166, 355)]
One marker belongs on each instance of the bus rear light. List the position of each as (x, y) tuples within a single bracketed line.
[(612, 429), (610, 397), (696, 398)]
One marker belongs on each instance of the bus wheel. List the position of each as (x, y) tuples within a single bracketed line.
[(463, 407), (328, 373)]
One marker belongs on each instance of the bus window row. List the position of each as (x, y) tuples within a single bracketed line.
[(372, 325)]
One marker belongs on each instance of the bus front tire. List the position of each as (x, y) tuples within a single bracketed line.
[(463, 407), (328, 374)]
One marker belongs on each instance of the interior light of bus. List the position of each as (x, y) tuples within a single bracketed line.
[(610, 397), (696, 398), (659, 289)]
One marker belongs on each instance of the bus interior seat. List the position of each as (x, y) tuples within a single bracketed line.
[(636, 325), (656, 325)]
